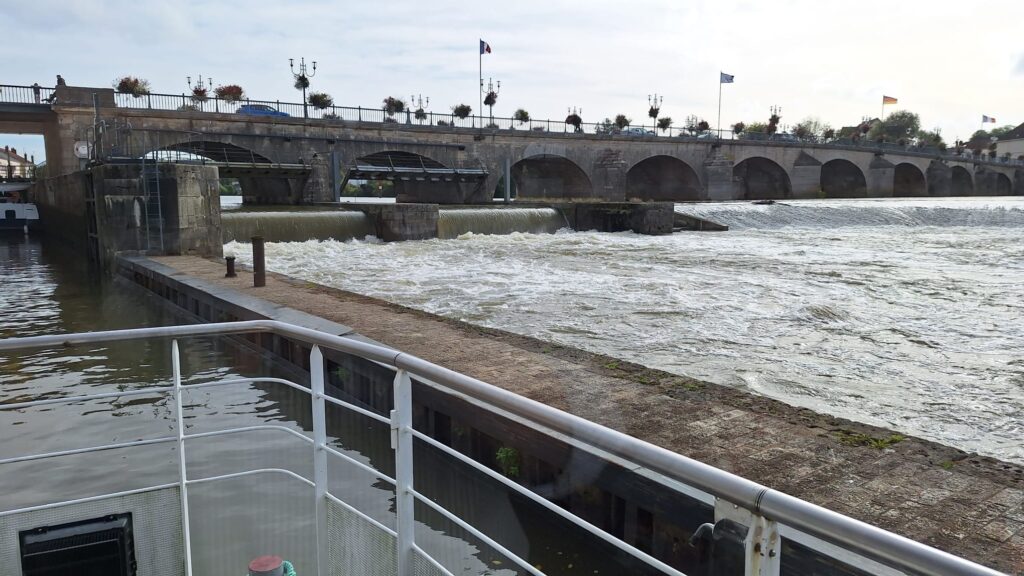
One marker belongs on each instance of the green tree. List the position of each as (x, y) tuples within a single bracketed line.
[(931, 138), (899, 126), (756, 128), (810, 127), (664, 123), (606, 126), (521, 116), (462, 111), (738, 128), (621, 121), (995, 132)]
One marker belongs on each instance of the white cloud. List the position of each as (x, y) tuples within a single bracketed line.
[(827, 59)]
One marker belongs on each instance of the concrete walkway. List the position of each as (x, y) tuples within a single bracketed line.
[(965, 504)]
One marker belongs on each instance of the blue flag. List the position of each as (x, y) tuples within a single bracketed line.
[(726, 78)]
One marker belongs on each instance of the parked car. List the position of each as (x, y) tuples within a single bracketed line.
[(708, 135), (260, 110), (636, 131), (785, 137)]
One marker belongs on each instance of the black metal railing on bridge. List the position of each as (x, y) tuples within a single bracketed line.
[(26, 94), (450, 121)]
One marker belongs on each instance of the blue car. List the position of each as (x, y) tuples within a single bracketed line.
[(260, 110)]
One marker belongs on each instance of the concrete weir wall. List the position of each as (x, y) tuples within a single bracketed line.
[(631, 504), (112, 208)]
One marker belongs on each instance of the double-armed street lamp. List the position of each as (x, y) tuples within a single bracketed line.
[(491, 95), (421, 103), (302, 80), (654, 101), (199, 89)]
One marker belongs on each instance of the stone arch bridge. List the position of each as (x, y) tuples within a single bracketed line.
[(294, 160)]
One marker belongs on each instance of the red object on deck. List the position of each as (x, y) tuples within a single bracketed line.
[(265, 565)]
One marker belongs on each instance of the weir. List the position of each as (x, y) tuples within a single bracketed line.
[(296, 226), (825, 214), (454, 223)]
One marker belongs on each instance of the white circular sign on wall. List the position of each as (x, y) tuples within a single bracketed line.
[(81, 149)]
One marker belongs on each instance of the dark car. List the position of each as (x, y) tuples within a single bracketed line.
[(260, 110)]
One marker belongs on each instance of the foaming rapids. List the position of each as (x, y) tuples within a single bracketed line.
[(901, 313), (974, 212)]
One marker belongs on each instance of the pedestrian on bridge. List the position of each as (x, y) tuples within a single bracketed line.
[(35, 91)]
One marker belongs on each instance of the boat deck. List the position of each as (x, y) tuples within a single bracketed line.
[(962, 503)]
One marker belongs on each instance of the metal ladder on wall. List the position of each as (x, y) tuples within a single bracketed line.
[(154, 210)]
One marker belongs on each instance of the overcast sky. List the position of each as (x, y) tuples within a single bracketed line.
[(948, 61)]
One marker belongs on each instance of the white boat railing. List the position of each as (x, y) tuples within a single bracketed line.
[(766, 514)]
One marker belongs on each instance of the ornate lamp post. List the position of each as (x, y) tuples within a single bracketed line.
[(421, 105), (491, 96), (776, 111), (199, 89), (654, 101), (302, 80)]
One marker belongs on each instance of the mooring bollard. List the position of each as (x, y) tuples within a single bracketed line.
[(231, 267), (259, 265)]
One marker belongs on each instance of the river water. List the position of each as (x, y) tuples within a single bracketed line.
[(46, 289), (905, 314)]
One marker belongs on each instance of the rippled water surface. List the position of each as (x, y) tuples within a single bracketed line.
[(904, 314), (45, 289)]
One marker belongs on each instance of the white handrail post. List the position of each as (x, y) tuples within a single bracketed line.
[(182, 474), (763, 548), (401, 441), (316, 381)]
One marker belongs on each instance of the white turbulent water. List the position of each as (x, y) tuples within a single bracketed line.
[(908, 326)]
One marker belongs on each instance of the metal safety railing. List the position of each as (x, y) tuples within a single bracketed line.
[(26, 94), (449, 120), (765, 516)]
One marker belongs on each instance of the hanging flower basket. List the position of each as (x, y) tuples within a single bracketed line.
[(200, 94), (462, 111), (574, 120), (230, 93), (393, 105), (321, 100), (301, 82), (420, 114), (653, 112), (491, 98), (137, 87)]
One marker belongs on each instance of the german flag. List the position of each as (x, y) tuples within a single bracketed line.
[(888, 100)]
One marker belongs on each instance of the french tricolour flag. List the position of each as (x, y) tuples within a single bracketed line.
[(485, 48), (985, 119)]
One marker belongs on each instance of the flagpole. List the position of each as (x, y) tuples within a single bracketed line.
[(480, 86), (718, 127)]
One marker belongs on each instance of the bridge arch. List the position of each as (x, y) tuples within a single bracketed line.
[(224, 152), (550, 176), (841, 178), (665, 178), (961, 183), (416, 176), (758, 178), (908, 180), (1003, 185)]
